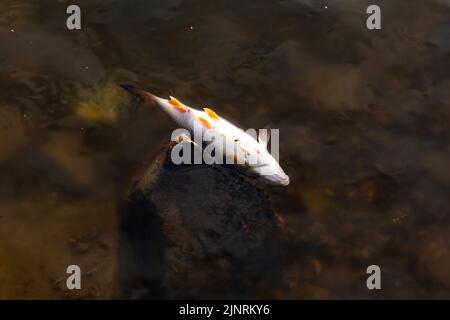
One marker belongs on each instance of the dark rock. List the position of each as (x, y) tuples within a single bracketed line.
[(198, 231)]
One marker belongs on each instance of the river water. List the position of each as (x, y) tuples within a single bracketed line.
[(363, 116)]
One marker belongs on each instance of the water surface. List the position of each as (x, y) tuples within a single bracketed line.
[(363, 117)]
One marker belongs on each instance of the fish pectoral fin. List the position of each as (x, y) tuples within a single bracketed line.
[(185, 138), (204, 122)]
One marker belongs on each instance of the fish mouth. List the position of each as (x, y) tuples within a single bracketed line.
[(286, 183), (276, 180)]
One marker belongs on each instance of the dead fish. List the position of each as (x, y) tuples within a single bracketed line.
[(245, 148)]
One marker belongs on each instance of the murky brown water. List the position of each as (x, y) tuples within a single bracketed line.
[(363, 118)]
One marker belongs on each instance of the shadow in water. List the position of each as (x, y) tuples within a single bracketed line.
[(140, 250)]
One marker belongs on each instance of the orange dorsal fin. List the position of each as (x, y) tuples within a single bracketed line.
[(177, 104), (204, 122), (211, 114)]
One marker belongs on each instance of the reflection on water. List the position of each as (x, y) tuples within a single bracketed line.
[(363, 119)]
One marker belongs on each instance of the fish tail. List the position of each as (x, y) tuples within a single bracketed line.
[(145, 96)]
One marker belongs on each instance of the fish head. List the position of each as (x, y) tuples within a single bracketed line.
[(272, 173)]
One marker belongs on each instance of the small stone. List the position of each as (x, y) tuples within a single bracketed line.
[(200, 231)]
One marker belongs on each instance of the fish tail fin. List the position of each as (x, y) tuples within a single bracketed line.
[(146, 97)]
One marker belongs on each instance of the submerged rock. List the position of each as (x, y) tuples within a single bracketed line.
[(198, 231)]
